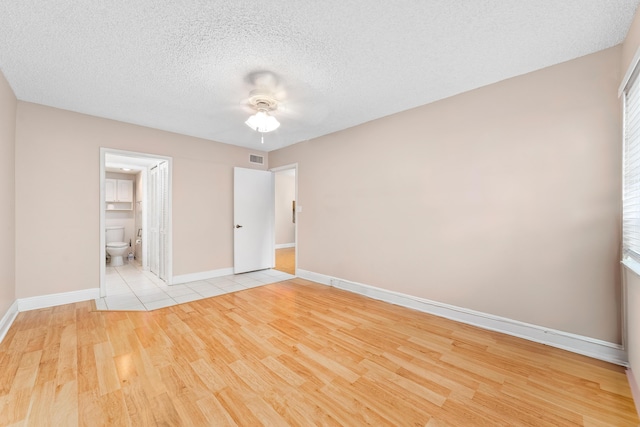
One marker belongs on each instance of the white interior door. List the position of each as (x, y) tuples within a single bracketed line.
[(253, 216), (163, 218), (154, 224), (159, 219)]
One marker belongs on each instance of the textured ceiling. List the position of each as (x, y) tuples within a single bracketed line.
[(188, 66)]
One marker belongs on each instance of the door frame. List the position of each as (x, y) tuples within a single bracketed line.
[(169, 262), (293, 166)]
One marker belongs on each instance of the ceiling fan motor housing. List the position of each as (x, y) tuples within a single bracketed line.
[(263, 102)]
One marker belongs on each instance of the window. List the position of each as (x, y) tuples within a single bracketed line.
[(631, 167)]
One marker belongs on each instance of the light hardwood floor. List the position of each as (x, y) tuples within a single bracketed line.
[(292, 353), (286, 260)]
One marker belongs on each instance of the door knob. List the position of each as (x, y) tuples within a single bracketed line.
[(238, 226)]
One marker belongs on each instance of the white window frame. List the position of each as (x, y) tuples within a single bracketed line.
[(629, 92)]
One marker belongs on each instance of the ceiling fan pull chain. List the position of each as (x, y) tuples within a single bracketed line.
[(262, 137)]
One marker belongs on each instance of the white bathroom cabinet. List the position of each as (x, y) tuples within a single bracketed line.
[(118, 194)]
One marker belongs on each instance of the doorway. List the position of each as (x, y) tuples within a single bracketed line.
[(286, 194), (145, 215)]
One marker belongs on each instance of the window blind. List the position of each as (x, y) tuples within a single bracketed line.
[(631, 170)]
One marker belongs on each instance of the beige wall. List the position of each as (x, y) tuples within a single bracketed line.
[(505, 199), (285, 194), (8, 105), (631, 43), (57, 169)]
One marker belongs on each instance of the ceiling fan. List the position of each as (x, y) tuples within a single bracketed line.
[(274, 99), (263, 101)]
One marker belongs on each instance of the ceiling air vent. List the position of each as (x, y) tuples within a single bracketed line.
[(254, 158)]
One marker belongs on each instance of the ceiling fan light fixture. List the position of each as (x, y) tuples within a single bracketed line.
[(262, 122)]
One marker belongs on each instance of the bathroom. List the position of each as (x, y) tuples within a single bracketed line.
[(134, 221), (123, 210)]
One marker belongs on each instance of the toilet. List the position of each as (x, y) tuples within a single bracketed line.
[(116, 248)]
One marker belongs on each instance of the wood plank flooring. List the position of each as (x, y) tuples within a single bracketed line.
[(292, 353), (286, 260)]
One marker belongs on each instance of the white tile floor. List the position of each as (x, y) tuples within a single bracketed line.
[(131, 288)]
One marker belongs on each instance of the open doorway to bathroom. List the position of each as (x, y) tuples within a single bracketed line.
[(285, 218), (135, 207)]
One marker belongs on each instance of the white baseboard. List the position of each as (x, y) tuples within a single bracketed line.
[(43, 301), (580, 344), (7, 319), (285, 245), (203, 275), (51, 300), (314, 277)]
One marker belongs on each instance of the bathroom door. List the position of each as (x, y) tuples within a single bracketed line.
[(253, 215), (163, 218), (158, 219), (153, 221)]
